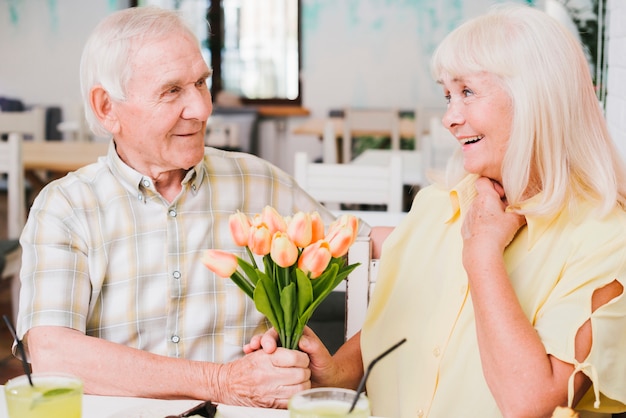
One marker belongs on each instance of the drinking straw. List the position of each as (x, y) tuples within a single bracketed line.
[(369, 368), (20, 348)]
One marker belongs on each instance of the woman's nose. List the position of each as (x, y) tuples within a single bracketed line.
[(452, 117)]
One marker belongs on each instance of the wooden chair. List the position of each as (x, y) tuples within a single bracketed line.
[(332, 184), (31, 123), (11, 253), (369, 122)]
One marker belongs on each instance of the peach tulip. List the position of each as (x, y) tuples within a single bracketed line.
[(222, 263), (315, 258), (260, 239), (239, 225), (273, 220), (344, 221), (317, 227), (284, 252), (340, 241), (300, 229)]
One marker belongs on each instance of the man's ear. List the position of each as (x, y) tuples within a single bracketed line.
[(102, 106)]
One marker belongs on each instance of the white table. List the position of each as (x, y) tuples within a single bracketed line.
[(412, 165), (122, 407)]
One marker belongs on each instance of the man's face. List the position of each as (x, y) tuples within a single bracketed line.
[(162, 122)]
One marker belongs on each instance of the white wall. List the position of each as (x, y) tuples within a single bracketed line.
[(616, 87), (40, 46), (355, 53)]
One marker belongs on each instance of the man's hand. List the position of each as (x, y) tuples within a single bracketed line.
[(264, 379)]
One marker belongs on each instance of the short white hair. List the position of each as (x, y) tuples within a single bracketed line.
[(107, 55)]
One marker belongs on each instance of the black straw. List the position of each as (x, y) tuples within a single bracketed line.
[(20, 348), (369, 369)]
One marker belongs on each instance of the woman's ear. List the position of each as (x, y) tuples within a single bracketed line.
[(103, 109)]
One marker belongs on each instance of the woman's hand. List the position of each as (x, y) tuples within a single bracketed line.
[(344, 369), (487, 225)]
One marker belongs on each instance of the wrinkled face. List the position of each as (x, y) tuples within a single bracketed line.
[(479, 115), (161, 124)]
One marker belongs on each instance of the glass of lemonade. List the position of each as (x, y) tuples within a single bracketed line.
[(53, 395), (328, 403)]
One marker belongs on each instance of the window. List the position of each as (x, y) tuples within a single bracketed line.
[(253, 46)]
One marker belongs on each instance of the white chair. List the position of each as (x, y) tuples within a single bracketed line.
[(359, 284), (11, 165), (332, 184), (369, 122)]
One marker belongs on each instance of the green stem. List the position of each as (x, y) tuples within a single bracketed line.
[(252, 260)]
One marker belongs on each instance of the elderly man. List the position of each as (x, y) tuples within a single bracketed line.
[(113, 289)]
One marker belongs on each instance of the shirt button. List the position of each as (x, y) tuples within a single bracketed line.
[(146, 183), (175, 339), (176, 274), (420, 413), (140, 197), (172, 213), (436, 351)]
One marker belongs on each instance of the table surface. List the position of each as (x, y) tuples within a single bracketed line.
[(315, 126), (61, 156), (123, 407), (412, 166)]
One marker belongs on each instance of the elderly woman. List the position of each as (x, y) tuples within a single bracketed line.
[(507, 276)]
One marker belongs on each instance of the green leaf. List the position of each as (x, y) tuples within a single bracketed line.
[(267, 301), (263, 305), (243, 283), (305, 291), (288, 303), (324, 281), (249, 270)]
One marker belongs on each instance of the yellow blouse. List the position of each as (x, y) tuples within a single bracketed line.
[(422, 294)]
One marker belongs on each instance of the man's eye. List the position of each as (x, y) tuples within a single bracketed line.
[(201, 83), (447, 97), (173, 90), (467, 92)]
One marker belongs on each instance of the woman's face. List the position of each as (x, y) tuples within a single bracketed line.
[(479, 115)]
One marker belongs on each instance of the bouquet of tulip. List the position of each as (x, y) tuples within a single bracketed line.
[(302, 264)]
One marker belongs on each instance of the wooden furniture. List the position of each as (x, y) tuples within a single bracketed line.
[(384, 121), (11, 252), (316, 126), (61, 156), (333, 184), (30, 123)]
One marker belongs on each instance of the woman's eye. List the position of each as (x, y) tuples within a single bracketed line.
[(467, 92), (447, 97)]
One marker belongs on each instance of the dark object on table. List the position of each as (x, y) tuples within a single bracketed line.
[(205, 409)]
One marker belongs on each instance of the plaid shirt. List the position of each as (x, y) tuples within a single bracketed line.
[(104, 253)]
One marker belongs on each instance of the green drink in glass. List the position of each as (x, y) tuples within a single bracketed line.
[(52, 395), (328, 403)]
